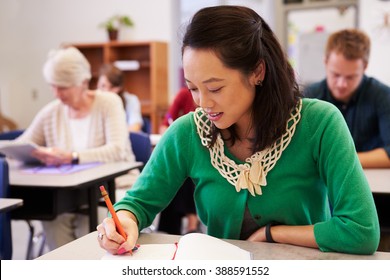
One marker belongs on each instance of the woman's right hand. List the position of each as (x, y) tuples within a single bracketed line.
[(110, 239)]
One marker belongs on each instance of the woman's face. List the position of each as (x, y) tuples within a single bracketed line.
[(104, 84), (225, 94), (70, 96)]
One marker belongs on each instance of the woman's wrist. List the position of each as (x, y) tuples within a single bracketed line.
[(268, 235), (75, 158)]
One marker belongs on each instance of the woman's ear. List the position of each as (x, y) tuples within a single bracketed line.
[(259, 73), (85, 84)]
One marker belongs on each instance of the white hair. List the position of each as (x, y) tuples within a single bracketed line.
[(66, 67)]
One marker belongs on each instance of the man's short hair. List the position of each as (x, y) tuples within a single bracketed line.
[(351, 43)]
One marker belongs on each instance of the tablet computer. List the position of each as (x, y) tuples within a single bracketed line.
[(19, 151)]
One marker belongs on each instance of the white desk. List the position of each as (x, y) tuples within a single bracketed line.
[(87, 248), (7, 204), (379, 180), (154, 139), (46, 196)]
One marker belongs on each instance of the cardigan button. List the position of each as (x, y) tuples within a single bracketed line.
[(257, 217)]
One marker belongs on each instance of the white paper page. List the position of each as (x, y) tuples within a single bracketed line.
[(198, 246), (193, 246), (147, 252)]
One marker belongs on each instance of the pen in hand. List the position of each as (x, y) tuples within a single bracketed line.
[(118, 225)]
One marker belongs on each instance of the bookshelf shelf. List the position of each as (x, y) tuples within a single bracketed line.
[(149, 82)]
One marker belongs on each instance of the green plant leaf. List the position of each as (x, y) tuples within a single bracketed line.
[(116, 21)]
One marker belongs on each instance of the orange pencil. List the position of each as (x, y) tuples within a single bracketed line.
[(113, 213)]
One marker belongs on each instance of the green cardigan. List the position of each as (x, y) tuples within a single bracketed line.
[(319, 167)]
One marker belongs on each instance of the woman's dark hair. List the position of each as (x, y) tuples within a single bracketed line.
[(115, 77), (242, 40)]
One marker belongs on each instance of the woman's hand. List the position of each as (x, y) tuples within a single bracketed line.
[(52, 156), (258, 235), (110, 240)]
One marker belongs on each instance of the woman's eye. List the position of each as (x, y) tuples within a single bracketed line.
[(192, 89), (215, 90)]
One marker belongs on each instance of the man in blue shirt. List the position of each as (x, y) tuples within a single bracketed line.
[(363, 100)]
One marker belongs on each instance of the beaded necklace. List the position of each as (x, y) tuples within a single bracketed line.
[(250, 175)]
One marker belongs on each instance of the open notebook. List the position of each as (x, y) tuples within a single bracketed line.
[(193, 246)]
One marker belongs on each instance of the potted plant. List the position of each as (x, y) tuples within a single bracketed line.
[(113, 24)]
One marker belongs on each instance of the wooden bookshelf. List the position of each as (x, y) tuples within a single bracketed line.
[(149, 82)]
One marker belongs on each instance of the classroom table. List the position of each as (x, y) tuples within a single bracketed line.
[(154, 139), (87, 248), (379, 180), (7, 204), (46, 196)]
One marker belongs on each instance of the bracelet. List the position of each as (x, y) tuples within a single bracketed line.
[(268, 235), (75, 158)]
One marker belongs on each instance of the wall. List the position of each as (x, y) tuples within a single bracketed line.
[(29, 29), (307, 32), (372, 21)]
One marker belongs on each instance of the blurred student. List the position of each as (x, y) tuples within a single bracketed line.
[(111, 79), (181, 105), (183, 203), (79, 126), (363, 101)]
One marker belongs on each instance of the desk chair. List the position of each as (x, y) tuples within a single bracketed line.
[(147, 126), (11, 135), (5, 218), (141, 145), (33, 237)]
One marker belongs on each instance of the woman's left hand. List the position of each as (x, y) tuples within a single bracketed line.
[(52, 156)]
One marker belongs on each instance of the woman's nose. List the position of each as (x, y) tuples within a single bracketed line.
[(204, 100)]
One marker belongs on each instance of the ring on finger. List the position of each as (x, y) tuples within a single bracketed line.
[(100, 235)]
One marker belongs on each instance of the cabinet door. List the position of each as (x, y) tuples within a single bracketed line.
[(95, 55)]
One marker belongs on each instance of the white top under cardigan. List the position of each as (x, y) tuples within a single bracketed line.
[(108, 138)]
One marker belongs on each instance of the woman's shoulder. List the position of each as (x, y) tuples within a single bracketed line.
[(317, 107), (131, 97), (318, 113), (52, 107), (186, 120), (183, 126), (105, 97)]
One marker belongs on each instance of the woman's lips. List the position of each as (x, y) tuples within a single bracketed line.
[(214, 116)]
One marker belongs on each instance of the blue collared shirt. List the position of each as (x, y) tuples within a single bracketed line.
[(367, 114)]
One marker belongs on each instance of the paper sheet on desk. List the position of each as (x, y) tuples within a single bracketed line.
[(59, 170), (147, 252), (193, 246)]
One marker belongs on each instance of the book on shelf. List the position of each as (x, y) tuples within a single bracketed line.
[(192, 246)]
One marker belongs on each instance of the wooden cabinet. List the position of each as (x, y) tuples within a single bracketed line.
[(149, 82)]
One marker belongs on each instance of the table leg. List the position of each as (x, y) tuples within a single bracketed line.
[(93, 207), (111, 190)]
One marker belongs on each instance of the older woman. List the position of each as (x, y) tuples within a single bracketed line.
[(80, 126)]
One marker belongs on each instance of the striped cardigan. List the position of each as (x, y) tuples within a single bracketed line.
[(108, 137)]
